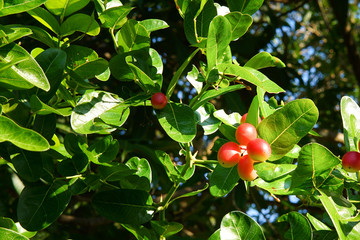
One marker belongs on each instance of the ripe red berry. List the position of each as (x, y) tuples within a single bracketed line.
[(259, 150), (158, 100), (229, 154), (245, 133), (351, 161), (246, 169)]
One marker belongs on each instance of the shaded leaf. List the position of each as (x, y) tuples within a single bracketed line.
[(80, 23), (299, 226), (223, 180)]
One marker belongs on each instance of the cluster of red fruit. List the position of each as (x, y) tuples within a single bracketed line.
[(351, 161), (248, 150)]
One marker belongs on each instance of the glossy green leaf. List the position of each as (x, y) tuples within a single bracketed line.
[(178, 121), (28, 165), (124, 205), (245, 6), (253, 113), (223, 180), (9, 234), (171, 171), (340, 209), (210, 94), (215, 235), (152, 25), (12, 7), (206, 120), (231, 119), (75, 165), (143, 80), (285, 127), (166, 229), (7, 223), (240, 24), (269, 171), (299, 226), (38, 107), (218, 40), (264, 60), (195, 79), (46, 19), (133, 37), (13, 33), (237, 225), (65, 7), (315, 163), (90, 108), (52, 61), (25, 74), (43, 36), (141, 232), (85, 62), (114, 17), (23, 138), (350, 114), (105, 150), (317, 224), (251, 75), (141, 178), (80, 23), (41, 205), (113, 172)]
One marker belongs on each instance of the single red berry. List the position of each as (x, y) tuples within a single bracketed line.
[(351, 161), (246, 169), (229, 154), (158, 100), (259, 150), (245, 133)]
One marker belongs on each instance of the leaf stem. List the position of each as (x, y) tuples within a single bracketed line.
[(197, 98), (111, 30)]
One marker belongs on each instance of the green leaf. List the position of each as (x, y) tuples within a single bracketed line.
[(253, 112), (269, 171), (12, 7), (141, 178), (46, 19), (133, 37), (299, 226), (64, 8), (223, 180), (170, 169), (114, 17), (245, 6), (113, 172), (43, 36), (166, 229), (21, 137), (73, 166), (12, 33), (190, 194), (7, 223), (80, 23), (143, 80), (240, 24), (152, 25), (237, 225), (340, 209), (210, 94), (90, 108), (141, 232), (195, 79), (28, 165), (8, 234), (85, 62), (218, 40), (52, 61), (317, 224), (105, 150), (315, 163), (206, 120), (178, 121), (25, 74), (251, 75), (38, 107), (126, 206), (232, 119), (284, 128), (46, 126), (215, 235), (350, 113), (280, 186), (41, 205), (264, 60)]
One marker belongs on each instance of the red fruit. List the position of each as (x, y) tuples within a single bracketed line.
[(246, 169), (245, 133), (243, 119), (259, 150), (229, 154), (158, 100), (351, 161)]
